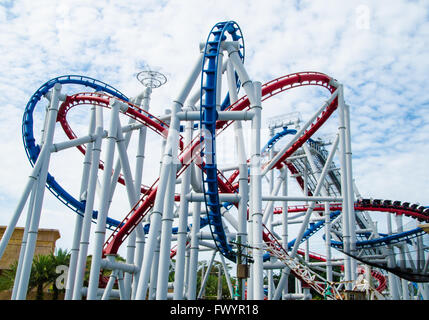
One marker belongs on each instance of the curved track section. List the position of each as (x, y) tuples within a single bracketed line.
[(208, 117), (277, 138), (32, 149), (381, 241)]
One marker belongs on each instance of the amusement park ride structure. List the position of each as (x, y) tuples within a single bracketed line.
[(196, 204)]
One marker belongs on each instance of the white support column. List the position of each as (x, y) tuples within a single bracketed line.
[(328, 242), (123, 143), (402, 260), (350, 190), (187, 264), (256, 178), (11, 226), (179, 278), (243, 175), (23, 244), (30, 190), (132, 194), (38, 201), (74, 252), (32, 179), (154, 271), (194, 249), (285, 233), (121, 285), (344, 189), (141, 143), (268, 216), (137, 238), (109, 286), (131, 240), (206, 276), (100, 230), (165, 245), (89, 206), (170, 155), (228, 279), (251, 244), (393, 280)]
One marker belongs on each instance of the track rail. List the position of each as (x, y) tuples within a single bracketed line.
[(208, 119), (32, 149), (384, 240)]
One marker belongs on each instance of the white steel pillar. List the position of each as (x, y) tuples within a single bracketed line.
[(41, 182), (393, 280), (23, 244), (193, 260), (350, 190), (285, 233), (179, 278), (154, 271), (140, 156), (74, 252), (206, 275), (242, 179), (269, 212), (165, 245), (256, 178), (100, 230), (328, 242), (89, 205), (344, 189), (170, 155), (28, 190)]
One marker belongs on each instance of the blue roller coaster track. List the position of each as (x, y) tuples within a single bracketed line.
[(208, 118)]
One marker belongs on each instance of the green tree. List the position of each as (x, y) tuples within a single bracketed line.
[(43, 272), (7, 277), (60, 258), (213, 281)]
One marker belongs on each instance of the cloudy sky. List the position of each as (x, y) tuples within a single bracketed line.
[(377, 49)]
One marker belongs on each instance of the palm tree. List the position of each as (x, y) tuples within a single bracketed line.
[(43, 273), (44, 269), (60, 258)]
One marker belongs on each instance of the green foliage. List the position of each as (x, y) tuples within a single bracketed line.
[(8, 276), (211, 288), (43, 273)]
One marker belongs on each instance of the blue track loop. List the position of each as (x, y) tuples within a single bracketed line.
[(208, 118), (276, 138), (32, 149)]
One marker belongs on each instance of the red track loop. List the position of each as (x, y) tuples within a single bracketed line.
[(103, 100)]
